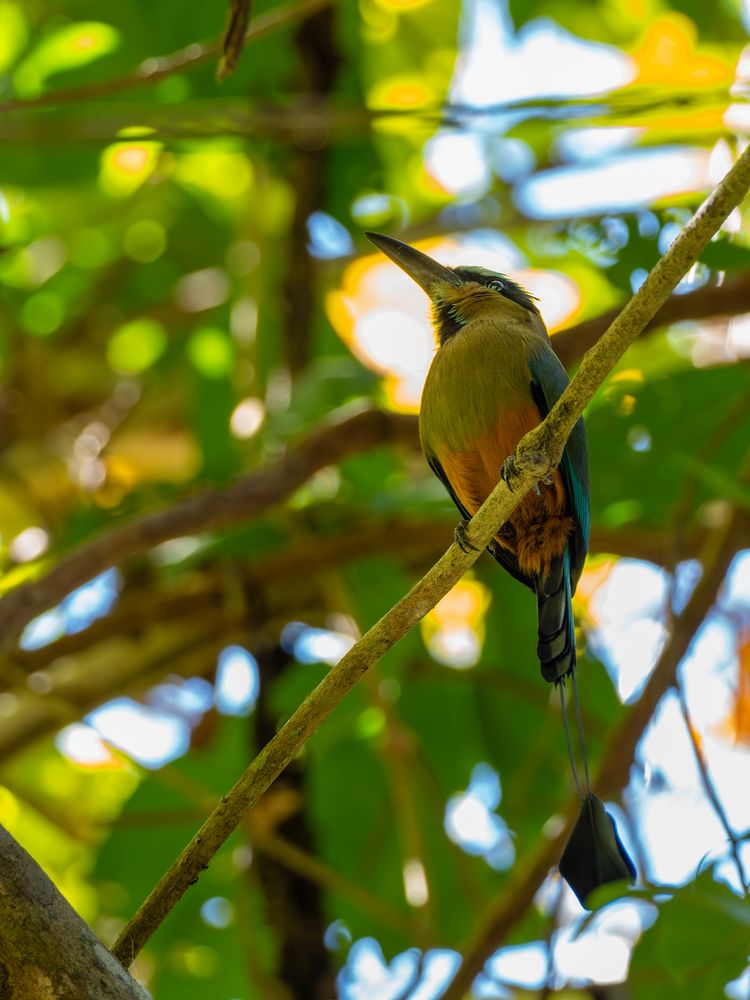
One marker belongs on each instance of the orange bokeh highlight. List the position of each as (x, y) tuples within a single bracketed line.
[(735, 727), (383, 316), (668, 53), (131, 159)]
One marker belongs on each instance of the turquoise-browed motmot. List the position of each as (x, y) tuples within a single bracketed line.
[(495, 377)]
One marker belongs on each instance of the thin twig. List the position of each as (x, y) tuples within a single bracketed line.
[(311, 868), (711, 793), (496, 923), (538, 452), (682, 510), (234, 36), (158, 67)]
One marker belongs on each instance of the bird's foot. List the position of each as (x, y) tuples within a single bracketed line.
[(461, 540), (508, 471)]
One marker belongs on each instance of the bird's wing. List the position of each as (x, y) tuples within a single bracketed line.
[(439, 471), (548, 381), (506, 558)]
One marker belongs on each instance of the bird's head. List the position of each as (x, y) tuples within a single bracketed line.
[(458, 294)]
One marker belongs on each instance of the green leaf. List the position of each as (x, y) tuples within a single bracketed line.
[(697, 945), (67, 48)]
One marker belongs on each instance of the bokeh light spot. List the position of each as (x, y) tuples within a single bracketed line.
[(136, 346), (144, 241), (211, 352), (217, 912), (125, 166), (42, 313), (237, 681), (247, 418)]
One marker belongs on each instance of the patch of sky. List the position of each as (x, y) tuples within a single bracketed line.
[(315, 645), (637, 277), (709, 671), (376, 208), (337, 936), (43, 630), (648, 225), (486, 988), (627, 182), (630, 632), (482, 242), (367, 976), (531, 57), (739, 989), (668, 234), (596, 956), (217, 912), (523, 965), (511, 159), (237, 681), (457, 160), (328, 237), (188, 699), (677, 825), (736, 593), (471, 822), (75, 612), (577, 144), (686, 577), (82, 745), (151, 737)]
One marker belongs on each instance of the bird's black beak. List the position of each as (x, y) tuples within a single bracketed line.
[(423, 269)]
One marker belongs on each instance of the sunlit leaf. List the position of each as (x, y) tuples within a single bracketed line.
[(125, 166), (13, 34), (66, 48)]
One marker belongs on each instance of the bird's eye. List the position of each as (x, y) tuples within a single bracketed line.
[(497, 284)]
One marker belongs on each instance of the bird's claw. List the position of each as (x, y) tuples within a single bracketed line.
[(461, 539), (508, 471)]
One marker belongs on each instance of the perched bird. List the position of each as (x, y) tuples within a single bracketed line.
[(495, 377)]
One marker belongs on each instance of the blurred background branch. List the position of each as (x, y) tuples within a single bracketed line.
[(186, 297)]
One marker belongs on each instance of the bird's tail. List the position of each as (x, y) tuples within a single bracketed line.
[(556, 647), (594, 854)]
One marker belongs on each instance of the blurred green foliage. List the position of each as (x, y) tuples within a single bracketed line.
[(164, 325)]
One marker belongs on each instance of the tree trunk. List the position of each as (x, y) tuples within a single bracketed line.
[(47, 952)]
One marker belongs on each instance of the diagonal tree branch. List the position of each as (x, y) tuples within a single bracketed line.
[(732, 298), (46, 950), (538, 452)]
